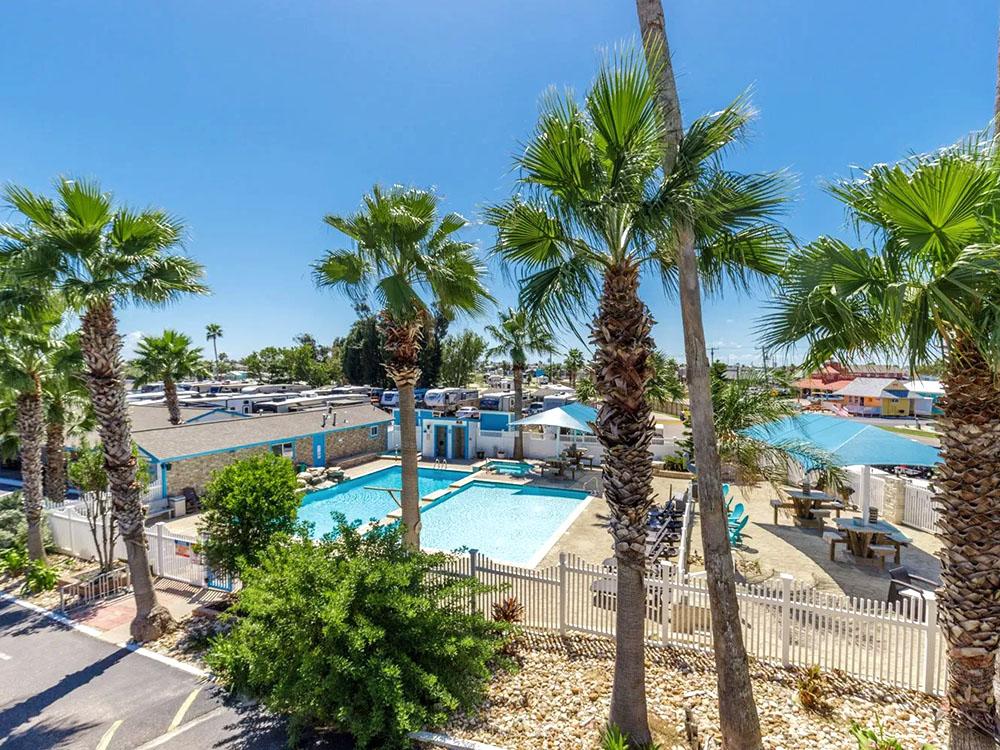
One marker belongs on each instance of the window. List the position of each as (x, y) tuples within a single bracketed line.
[(283, 449), (373, 431)]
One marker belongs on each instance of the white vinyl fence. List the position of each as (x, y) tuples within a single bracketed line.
[(784, 620), (918, 508), (171, 555)]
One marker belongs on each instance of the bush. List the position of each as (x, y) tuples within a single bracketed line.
[(13, 526), (38, 577), (812, 690), (356, 633), (613, 739), (876, 739), (245, 506), (13, 561)]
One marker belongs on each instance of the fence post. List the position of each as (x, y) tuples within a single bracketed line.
[(666, 598), (933, 632), (473, 559), (72, 542), (562, 593), (786, 618), (159, 548)]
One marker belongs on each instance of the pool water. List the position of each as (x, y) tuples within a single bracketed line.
[(505, 522), (511, 468), (358, 504)]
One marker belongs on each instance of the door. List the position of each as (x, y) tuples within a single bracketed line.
[(440, 441), (458, 442)]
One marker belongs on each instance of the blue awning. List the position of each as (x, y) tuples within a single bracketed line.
[(573, 416), (848, 442)]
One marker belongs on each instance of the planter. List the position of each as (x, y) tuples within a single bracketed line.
[(671, 474), (501, 454)]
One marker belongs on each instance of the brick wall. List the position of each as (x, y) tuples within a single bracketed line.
[(196, 472), (304, 451), (343, 443)]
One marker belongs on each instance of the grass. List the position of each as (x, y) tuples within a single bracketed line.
[(911, 432)]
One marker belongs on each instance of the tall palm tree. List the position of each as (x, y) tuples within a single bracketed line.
[(213, 332), (597, 209), (573, 364), (411, 262), (928, 281), (25, 350), (738, 718), (518, 335), (99, 257), (66, 410), (168, 357)]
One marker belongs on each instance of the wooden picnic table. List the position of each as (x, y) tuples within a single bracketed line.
[(861, 534), (806, 502), (560, 465)]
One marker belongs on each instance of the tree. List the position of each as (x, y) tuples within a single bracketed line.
[(245, 506), (357, 632), (99, 257), (168, 357), (362, 360), (412, 262), (66, 411), (586, 391), (519, 334), (431, 353), (213, 332), (268, 364), (89, 476), (597, 207), (665, 386), (573, 364), (927, 280), (460, 355)]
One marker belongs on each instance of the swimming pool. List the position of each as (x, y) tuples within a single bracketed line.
[(358, 504), (511, 468), (506, 522)]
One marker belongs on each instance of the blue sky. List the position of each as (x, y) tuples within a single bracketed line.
[(251, 120)]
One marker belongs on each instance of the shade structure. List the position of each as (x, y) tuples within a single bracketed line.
[(849, 443), (572, 416)]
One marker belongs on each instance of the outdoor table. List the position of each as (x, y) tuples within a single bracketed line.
[(805, 502), (861, 534)]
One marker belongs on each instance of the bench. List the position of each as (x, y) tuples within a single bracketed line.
[(882, 551), (834, 538), (898, 541), (777, 504)]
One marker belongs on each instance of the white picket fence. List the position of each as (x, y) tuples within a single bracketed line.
[(171, 555), (784, 620), (854, 479), (918, 508)]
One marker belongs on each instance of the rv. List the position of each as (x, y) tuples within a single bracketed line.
[(389, 399), (554, 402), (449, 399), (496, 402)]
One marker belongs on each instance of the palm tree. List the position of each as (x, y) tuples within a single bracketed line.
[(518, 335), (927, 281), (665, 386), (412, 262), (99, 257), (597, 209), (213, 332), (66, 411), (169, 357), (573, 364)]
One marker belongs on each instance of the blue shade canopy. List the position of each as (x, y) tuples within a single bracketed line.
[(573, 416), (849, 443)]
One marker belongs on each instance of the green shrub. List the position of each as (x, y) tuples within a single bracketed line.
[(13, 526), (876, 739), (356, 633), (38, 577), (812, 690), (13, 561), (245, 506), (613, 739)]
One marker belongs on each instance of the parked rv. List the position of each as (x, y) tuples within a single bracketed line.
[(449, 399), (389, 399), (496, 401)]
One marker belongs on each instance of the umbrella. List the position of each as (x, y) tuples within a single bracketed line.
[(848, 443)]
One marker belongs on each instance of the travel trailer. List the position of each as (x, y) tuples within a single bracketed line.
[(389, 399), (496, 401), (449, 399)]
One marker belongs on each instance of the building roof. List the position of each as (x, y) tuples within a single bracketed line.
[(870, 387), (817, 384), (199, 437), (926, 387)]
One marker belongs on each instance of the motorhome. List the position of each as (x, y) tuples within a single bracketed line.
[(389, 399), (554, 402), (273, 388), (496, 402), (449, 399)]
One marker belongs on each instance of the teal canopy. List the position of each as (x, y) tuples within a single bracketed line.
[(573, 416), (849, 442)]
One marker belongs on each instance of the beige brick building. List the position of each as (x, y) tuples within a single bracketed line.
[(187, 455)]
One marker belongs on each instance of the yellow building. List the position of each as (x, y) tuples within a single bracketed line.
[(876, 397)]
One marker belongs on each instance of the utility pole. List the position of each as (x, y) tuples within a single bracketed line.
[(763, 353), (711, 355)]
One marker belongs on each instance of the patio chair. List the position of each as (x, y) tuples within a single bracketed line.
[(901, 579), (736, 531), (736, 513)]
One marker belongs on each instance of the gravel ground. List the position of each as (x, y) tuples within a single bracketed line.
[(559, 699)]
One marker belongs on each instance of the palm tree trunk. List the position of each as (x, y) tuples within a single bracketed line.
[(101, 346), (402, 347), (967, 491), (31, 429), (625, 428), (738, 719), (55, 474), (170, 394), (215, 353), (518, 376)]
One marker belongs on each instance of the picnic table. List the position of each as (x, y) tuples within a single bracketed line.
[(806, 502), (862, 535), (577, 456), (560, 465)]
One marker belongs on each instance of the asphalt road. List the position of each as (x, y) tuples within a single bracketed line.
[(60, 688)]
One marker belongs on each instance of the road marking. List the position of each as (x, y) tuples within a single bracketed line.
[(179, 716), (163, 739), (106, 739), (5, 657)]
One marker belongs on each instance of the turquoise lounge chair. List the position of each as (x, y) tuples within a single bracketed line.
[(736, 513), (735, 531)]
